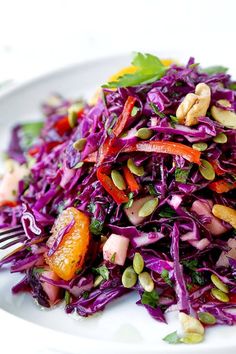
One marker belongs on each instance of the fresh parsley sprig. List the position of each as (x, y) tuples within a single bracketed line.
[(149, 69)]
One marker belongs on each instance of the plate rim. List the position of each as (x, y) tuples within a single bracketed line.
[(97, 343)]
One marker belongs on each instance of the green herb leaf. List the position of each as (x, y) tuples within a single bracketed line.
[(189, 286), (174, 120), (149, 69), (103, 271), (38, 271), (150, 298), (191, 264), (85, 295), (151, 189), (96, 227), (30, 131), (232, 86), (197, 277), (167, 212), (67, 297), (181, 175), (172, 338), (165, 277), (214, 70), (156, 110), (91, 207)]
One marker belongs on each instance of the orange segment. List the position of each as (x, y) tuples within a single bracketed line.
[(127, 70), (71, 252)]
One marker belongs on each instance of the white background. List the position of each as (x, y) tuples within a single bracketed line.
[(39, 36)]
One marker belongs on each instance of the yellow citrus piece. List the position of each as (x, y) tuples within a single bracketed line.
[(70, 254), (127, 70), (168, 62)]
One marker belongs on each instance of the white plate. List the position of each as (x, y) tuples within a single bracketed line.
[(123, 327)]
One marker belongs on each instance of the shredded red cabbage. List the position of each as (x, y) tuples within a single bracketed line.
[(176, 242)]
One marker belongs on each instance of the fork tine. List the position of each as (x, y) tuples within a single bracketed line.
[(9, 244), (10, 230), (15, 234)]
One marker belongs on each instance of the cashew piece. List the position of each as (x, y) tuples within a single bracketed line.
[(225, 213), (190, 324), (194, 105), (226, 118)]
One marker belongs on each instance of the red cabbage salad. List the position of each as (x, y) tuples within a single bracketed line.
[(134, 192)]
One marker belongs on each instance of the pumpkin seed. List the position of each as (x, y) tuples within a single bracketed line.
[(192, 338), (200, 146), (148, 208), (79, 144), (98, 281), (219, 284), (136, 170), (206, 170), (144, 133), (206, 318), (219, 295), (138, 263), (146, 281), (129, 277), (79, 165), (73, 114), (118, 180), (221, 138)]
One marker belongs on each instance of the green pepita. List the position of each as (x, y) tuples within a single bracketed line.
[(206, 170), (192, 338), (219, 295), (146, 281), (138, 263), (136, 170), (118, 180), (79, 144), (206, 318), (129, 277), (73, 114), (219, 284), (144, 133), (79, 165), (221, 138), (200, 146), (148, 208), (98, 280)]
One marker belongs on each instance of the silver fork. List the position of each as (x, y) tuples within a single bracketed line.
[(14, 235)]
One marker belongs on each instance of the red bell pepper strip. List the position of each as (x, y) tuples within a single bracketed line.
[(232, 298), (125, 115), (130, 179), (8, 203), (107, 148), (50, 145), (218, 170), (33, 151), (62, 126), (118, 195), (221, 186), (166, 147)]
